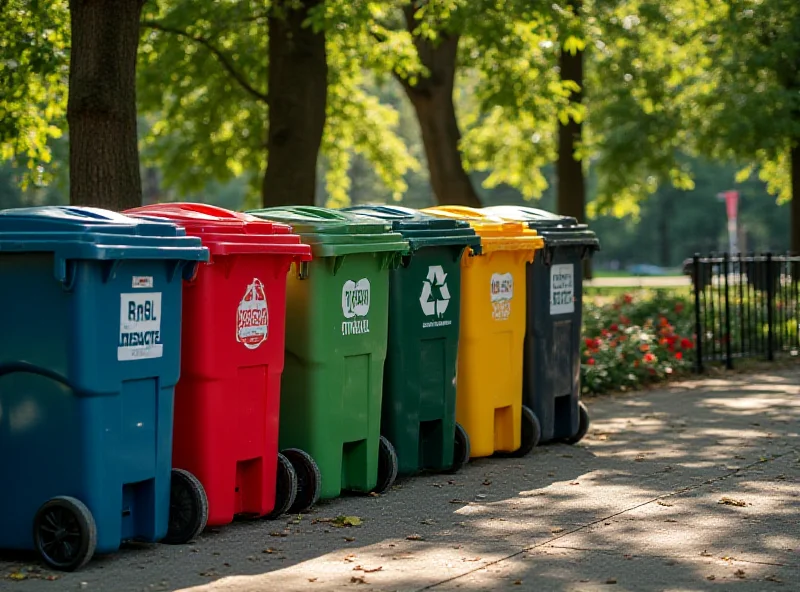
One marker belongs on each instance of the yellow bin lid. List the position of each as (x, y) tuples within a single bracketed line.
[(496, 233)]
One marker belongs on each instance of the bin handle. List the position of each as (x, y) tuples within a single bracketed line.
[(28, 368), (302, 269), (548, 256)]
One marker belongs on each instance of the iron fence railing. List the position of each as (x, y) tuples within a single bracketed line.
[(745, 306)]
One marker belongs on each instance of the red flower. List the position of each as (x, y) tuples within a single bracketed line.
[(644, 347), (627, 298), (652, 371), (686, 343), (649, 358), (624, 320), (678, 356), (679, 307), (614, 327), (589, 342), (590, 361)]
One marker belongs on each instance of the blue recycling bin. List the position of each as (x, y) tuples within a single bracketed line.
[(90, 325)]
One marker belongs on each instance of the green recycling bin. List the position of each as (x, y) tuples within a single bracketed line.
[(419, 394), (551, 367), (336, 340)]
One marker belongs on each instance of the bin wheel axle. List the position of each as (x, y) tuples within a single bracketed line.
[(461, 449), (188, 508), (388, 466), (583, 424), (309, 479), (285, 487), (65, 533)]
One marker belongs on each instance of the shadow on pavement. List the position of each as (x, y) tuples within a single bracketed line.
[(637, 504)]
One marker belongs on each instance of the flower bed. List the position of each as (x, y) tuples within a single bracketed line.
[(635, 340)]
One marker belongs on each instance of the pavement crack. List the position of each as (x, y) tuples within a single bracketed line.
[(676, 557), (567, 533)]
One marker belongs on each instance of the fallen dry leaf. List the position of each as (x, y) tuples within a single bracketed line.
[(473, 559), (358, 580), (346, 521), (729, 501), (487, 482), (278, 534), (611, 581), (575, 483), (458, 501), (349, 539), (312, 579), (518, 582), (17, 576), (663, 503), (670, 520), (367, 570), (739, 573), (711, 577), (556, 530), (414, 537), (349, 558)]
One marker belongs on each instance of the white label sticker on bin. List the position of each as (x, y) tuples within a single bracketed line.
[(140, 327), (252, 316), (142, 281), (562, 289), (502, 294), (355, 306)]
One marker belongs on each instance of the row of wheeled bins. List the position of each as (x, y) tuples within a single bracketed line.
[(153, 363)]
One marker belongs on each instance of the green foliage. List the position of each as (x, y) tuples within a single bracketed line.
[(750, 107), (202, 82), (34, 47)]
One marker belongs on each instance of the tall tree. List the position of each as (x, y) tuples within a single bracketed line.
[(432, 98), (230, 86), (297, 97), (104, 155), (571, 189)]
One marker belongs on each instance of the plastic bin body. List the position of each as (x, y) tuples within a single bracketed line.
[(493, 309), (551, 384), (85, 413), (227, 401), (419, 394), (336, 339)]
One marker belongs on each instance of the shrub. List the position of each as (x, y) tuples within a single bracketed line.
[(635, 340)]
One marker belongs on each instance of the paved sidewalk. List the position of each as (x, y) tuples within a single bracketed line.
[(667, 281), (636, 506)]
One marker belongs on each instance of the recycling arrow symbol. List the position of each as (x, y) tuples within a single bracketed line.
[(435, 279)]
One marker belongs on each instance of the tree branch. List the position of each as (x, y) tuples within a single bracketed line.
[(223, 59)]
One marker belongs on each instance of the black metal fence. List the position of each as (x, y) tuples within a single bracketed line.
[(746, 306)]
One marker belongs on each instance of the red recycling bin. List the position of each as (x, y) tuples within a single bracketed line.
[(228, 397)]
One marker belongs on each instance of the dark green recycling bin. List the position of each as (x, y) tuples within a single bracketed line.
[(419, 393), (551, 367)]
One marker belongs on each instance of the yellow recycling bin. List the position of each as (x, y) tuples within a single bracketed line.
[(493, 321)]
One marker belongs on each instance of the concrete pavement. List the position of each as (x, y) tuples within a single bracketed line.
[(696, 487)]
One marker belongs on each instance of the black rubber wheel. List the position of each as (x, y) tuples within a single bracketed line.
[(309, 479), (64, 533), (583, 424), (461, 449), (285, 488), (531, 432), (387, 466), (188, 508)]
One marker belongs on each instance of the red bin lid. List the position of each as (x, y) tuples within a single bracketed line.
[(225, 232)]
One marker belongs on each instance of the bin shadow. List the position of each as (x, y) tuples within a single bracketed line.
[(559, 517)]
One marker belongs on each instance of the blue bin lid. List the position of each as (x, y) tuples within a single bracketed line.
[(72, 232)]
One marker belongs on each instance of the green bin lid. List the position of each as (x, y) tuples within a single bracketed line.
[(334, 232), (557, 231), (422, 230)]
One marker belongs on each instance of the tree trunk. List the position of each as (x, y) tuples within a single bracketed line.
[(101, 112), (795, 215), (298, 86), (571, 190), (432, 99)]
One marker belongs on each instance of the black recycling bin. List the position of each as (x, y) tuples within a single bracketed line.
[(552, 365)]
